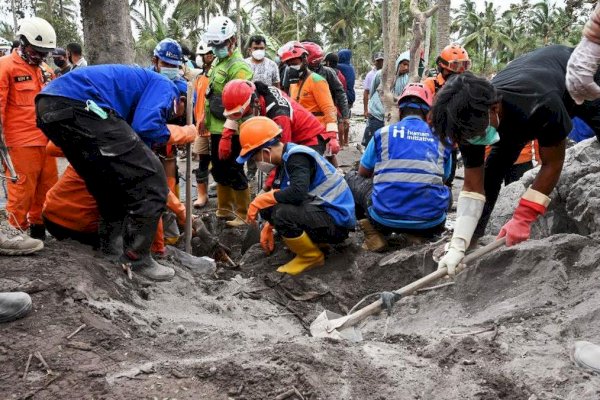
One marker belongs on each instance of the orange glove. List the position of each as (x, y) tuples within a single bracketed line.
[(261, 202), (182, 134), (267, 241)]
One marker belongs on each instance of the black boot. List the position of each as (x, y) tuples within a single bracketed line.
[(111, 238), (37, 231), (138, 234)]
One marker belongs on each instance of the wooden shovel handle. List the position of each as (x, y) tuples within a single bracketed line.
[(376, 306), (188, 171)]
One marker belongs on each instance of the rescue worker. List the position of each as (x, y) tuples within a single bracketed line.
[(377, 65), (107, 138), (399, 185), (314, 59), (233, 193), (311, 91), (583, 63), (22, 76), (347, 69), (314, 204), (204, 59), (59, 57), (527, 100), (5, 47), (75, 55), (331, 60), (530, 152)]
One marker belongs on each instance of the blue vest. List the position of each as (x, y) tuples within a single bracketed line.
[(408, 180), (328, 188)]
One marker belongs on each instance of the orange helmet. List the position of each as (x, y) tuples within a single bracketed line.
[(256, 133), (291, 50), (237, 96), (454, 58)]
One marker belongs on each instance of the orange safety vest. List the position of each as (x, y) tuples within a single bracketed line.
[(201, 86), (527, 154), (314, 95)]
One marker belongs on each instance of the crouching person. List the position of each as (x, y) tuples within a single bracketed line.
[(399, 186), (314, 204)]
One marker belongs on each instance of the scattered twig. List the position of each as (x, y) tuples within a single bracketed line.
[(39, 356), (76, 331), (435, 287), (491, 328), (35, 391), (27, 365), (298, 393), (286, 394), (495, 335)]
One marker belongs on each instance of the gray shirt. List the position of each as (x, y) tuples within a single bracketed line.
[(266, 72)]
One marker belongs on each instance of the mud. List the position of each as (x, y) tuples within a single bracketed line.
[(502, 331)]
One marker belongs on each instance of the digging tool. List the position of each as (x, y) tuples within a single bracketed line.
[(188, 171), (331, 325), (252, 235), (5, 158)]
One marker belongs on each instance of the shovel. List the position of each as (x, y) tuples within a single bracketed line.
[(331, 325), (188, 171), (252, 235)]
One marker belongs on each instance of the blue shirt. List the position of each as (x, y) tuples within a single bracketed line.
[(143, 98)]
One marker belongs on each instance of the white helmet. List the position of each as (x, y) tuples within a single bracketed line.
[(203, 48), (219, 30), (39, 33)]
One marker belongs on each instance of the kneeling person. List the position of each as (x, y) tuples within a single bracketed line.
[(314, 204), (408, 165)]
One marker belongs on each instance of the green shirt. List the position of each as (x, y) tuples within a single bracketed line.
[(221, 72)]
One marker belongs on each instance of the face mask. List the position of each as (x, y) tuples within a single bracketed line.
[(31, 56), (258, 54), (296, 67), (265, 167), (171, 73), (60, 63), (199, 61), (491, 136), (221, 52)]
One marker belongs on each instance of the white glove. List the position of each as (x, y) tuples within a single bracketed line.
[(468, 211), (581, 68)]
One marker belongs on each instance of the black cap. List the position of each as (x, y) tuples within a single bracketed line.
[(59, 51), (378, 56)]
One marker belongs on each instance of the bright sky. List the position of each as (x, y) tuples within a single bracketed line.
[(503, 4)]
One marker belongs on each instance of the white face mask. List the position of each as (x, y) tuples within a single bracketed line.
[(265, 167), (296, 67), (199, 60), (258, 54)]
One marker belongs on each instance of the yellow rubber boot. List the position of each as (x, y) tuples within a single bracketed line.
[(308, 255), (224, 201), (374, 240), (241, 202)]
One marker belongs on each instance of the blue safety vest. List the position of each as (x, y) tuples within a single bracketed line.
[(328, 187), (408, 180), (143, 98)]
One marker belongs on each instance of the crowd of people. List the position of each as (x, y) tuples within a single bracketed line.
[(285, 120)]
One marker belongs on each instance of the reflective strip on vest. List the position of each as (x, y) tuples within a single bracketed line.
[(407, 177)]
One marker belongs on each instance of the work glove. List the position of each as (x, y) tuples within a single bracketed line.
[(468, 211), (333, 147), (518, 229), (581, 68), (182, 134), (267, 240), (260, 202), (225, 144)]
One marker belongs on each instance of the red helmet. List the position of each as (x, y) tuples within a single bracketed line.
[(237, 96), (417, 90), (454, 58), (291, 50), (315, 53)]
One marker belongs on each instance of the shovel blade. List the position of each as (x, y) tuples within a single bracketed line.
[(327, 325), (251, 237)]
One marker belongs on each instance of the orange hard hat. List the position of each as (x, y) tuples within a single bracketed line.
[(256, 133), (454, 58)]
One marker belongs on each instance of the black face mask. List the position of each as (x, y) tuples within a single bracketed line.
[(60, 63), (295, 75)]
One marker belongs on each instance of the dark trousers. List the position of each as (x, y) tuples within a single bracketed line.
[(125, 177), (62, 233), (373, 124), (502, 157), (202, 171), (362, 191), (227, 172), (454, 157), (516, 172), (290, 221)]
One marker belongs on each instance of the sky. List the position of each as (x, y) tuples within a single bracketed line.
[(503, 4)]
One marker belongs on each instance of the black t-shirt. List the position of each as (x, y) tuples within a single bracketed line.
[(535, 103), (301, 169)]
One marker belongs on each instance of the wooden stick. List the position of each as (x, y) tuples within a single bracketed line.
[(38, 355), (298, 393), (491, 328), (76, 331), (286, 394), (27, 365), (188, 172), (441, 285)]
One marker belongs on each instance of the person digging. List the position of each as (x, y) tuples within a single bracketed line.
[(314, 204)]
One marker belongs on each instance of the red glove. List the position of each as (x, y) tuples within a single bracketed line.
[(267, 241), (225, 144), (333, 146), (518, 228), (261, 202)]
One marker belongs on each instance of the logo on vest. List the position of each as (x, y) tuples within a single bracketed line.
[(412, 135)]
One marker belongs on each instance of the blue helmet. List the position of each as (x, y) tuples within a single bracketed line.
[(169, 51)]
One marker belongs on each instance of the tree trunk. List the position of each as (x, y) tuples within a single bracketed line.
[(419, 20), (390, 25), (443, 25), (427, 49), (107, 31), (14, 14), (239, 23)]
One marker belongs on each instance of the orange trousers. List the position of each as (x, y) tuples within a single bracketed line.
[(37, 174)]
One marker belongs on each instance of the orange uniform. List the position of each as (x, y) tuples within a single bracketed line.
[(20, 82), (314, 95), (201, 85), (434, 84), (527, 154)]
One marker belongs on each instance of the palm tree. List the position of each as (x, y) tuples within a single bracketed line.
[(344, 18)]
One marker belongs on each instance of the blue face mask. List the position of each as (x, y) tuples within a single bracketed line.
[(221, 52), (491, 136), (171, 73)]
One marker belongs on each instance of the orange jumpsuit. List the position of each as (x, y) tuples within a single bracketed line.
[(434, 84), (19, 84), (314, 95)]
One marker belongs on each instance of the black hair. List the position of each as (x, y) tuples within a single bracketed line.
[(15, 43), (258, 39), (461, 108), (74, 48), (185, 50), (332, 59)]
